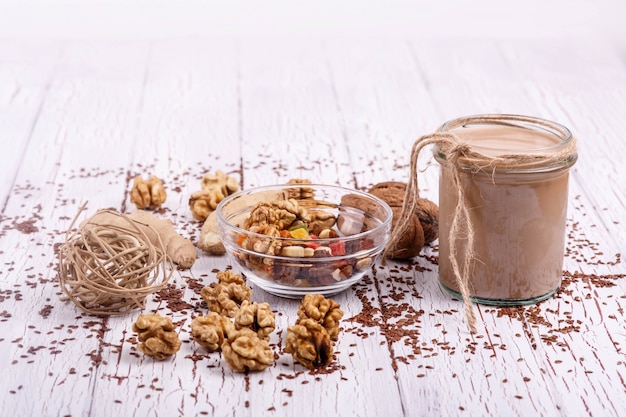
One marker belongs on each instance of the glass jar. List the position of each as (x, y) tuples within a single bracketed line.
[(514, 185)]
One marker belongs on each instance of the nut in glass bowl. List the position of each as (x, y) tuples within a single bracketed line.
[(291, 240)]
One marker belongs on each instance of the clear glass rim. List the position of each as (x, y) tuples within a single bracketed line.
[(533, 123), (558, 131), (383, 227)]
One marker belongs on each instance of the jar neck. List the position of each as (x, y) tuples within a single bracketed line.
[(511, 143)]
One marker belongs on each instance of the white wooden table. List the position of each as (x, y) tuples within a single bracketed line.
[(80, 117)]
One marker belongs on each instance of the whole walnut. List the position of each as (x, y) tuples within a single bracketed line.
[(428, 213), (391, 192), (411, 241), (425, 216)]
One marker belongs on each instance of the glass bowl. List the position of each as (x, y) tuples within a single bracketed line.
[(295, 239)]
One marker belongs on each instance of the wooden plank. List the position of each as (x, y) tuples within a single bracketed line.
[(187, 127), (72, 156), (290, 124), (26, 69)]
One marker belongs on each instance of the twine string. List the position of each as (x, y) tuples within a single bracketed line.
[(461, 218)]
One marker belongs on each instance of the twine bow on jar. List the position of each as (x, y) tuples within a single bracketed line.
[(461, 157)]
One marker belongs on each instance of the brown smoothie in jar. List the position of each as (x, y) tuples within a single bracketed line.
[(518, 219)]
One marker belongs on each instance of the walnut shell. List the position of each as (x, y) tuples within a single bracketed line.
[(391, 192), (428, 213), (411, 242)]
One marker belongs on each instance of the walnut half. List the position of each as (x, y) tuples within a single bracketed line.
[(147, 194), (244, 351), (225, 296), (157, 336), (325, 311), (209, 331), (215, 187), (309, 344), (257, 317)]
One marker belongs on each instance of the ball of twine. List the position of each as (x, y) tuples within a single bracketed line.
[(110, 269)]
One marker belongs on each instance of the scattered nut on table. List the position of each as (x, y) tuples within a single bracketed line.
[(309, 344), (214, 188), (229, 277), (209, 331), (244, 351), (325, 311), (157, 336), (257, 317), (392, 192), (411, 242), (226, 295), (428, 213), (148, 194)]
